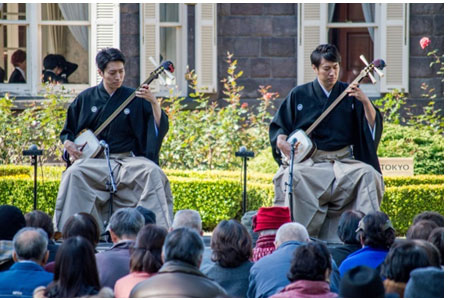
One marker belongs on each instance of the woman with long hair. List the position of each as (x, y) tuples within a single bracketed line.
[(75, 272), (145, 259)]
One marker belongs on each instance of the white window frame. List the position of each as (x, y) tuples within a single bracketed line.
[(371, 90), (181, 51), (34, 23)]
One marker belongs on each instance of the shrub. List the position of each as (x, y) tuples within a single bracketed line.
[(218, 195)]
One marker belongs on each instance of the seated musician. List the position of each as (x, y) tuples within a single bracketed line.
[(134, 138), (344, 172)]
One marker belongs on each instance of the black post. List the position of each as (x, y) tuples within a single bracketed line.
[(245, 155), (34, 152), (111, 184), (291, 179)]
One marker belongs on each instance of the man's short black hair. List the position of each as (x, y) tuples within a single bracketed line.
[(108, 55), (328, 52)]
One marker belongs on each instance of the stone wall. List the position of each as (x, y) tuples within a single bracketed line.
[(129, 42), (263, 39), (425, 20)]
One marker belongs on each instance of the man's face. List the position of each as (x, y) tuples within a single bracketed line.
[(113, 75), (327, 73)]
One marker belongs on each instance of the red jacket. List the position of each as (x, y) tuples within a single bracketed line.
[(306, 289)]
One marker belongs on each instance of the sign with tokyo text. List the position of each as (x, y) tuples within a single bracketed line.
[(397, 166)]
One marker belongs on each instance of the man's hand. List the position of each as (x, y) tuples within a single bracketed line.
[(73, 149), (284, 146), (144, 92), (369, 111)]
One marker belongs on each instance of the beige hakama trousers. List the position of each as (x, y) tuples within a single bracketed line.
[(326, 185), (140, 182)]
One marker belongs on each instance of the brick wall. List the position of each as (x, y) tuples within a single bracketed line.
[(263, 39)]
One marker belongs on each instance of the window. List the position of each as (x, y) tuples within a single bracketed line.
[(39, 30), (164, 37)]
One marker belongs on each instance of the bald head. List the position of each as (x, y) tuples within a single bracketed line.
[(291, 232), (187, 218), (30, 244)]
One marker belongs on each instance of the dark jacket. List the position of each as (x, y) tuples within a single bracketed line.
[(114, 263), (16, 77), (177, 279)]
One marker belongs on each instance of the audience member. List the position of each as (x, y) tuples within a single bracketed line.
[(114, 263), (19, 61), (437, 238), (269, 274), (403, 257), (309, 273), (30, 254), (430, 216), (187, 218), (432, 251), (231, 247), (361, 282), (145, 259), (57, 69), (75, 272), (421, 230), (425, 283), (180, 275), (11, 221), (247, 221), (265, 223), (376, 235), (40, 219), (80, 224), (149, 216), (348, 223)]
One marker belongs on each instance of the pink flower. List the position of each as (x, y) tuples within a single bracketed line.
[(424, 42), (244, 105)]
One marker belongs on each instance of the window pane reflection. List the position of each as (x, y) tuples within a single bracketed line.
[(12, 38), (168, 13)]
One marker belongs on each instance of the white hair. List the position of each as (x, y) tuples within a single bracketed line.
[(292, 231)]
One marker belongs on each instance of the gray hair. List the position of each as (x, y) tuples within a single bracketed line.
[(30, 243), (292, 231), (126, 222), (188, 218), (183, 244)]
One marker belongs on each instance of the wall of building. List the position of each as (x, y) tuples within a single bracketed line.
[(129, 42)]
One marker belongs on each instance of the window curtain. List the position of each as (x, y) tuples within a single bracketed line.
[(369, 16), (77, 11), (56, 33)]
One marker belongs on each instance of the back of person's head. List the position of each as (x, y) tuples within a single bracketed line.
[(425, 283), (271, 218), (50, 62), (187, 218), (19, 56), (403, 257), (432, 251), (183, 244), (376, 230), (328, 52), (11, 221), (30, 244), (430, 216), (348, 223), (82, 224), (149, 216), (126, 223), (75, 270), (310, 262), (108, 55), (146, 253), (292, 231), (421, 230), (437, 238), (361, 282), (40, 219), (231, 244)]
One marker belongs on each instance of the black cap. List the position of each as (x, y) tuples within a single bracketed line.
[(361, 282)]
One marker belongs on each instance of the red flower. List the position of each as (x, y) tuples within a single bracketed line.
[(244, 105), (424, 42)]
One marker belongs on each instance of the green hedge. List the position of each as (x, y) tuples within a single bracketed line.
[(218, 198)]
